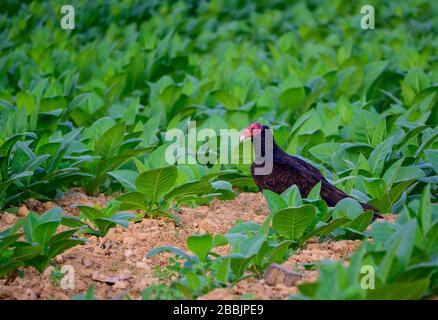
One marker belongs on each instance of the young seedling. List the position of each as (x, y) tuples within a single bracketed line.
[(101, 219), (33, 241)]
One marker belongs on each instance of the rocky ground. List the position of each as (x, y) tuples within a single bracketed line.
[(116, 263)]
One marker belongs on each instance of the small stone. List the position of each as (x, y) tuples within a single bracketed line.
[(128, 253), (30, 294), (87, 262), (49, 205), (59, 259), (142, 265), (23, 211), (276, 274)]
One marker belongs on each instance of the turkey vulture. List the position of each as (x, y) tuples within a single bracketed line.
[(287, 170)]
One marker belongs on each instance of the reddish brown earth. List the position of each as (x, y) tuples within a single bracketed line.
[(116, 263)]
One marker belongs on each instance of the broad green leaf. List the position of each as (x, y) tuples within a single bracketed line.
[(431, 245), (386, 201), (379, 155), (432, 157), (392, 172), (425, 214), (125, 177), (252, 245), (409, 135), (399, 291), (292, 196), (238, 264), (189, 188), (426, 143), (109, 143), (314, 194), (132, 201), (31, 223), (154, 184), (223, 270), (347, 207), (200, 244), (219, 240), (274, 200), (379, 133), (227, 100), (325, 151), (362, 221), (90, 213), (325, 228), (292, 222), (375, 187)]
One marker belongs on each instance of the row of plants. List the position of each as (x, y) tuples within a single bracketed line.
[(90, 108), (39, 168), (403, 255), (360, 108), (35, 240)]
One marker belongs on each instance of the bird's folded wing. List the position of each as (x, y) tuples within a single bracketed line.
[(309, 176)]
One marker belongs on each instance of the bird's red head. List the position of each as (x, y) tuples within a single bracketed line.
[(251, 131)]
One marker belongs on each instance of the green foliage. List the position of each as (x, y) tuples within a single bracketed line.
[(251, 252), (254, 247), (56, 275), (95, 101), (90, 109), (156, 189), (403, 258), (102, 219), (292, 222), (88, 295), (111, 149), (161, 292), (34, 241), (300, 219)]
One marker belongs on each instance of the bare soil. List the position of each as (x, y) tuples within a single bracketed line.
[(116, 263)]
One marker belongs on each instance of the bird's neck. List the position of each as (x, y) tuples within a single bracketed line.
[(265, 147)]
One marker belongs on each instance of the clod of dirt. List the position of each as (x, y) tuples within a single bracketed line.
[(68, 201), (276, 274), (87, 262), (7, 220)]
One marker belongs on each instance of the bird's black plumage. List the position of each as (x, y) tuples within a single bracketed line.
[(288, 170)]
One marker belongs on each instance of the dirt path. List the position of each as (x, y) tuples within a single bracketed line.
[(117, 265)]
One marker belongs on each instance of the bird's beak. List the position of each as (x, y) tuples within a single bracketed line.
[(245, 135)]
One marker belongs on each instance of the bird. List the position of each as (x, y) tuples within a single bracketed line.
[(288, 170)]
